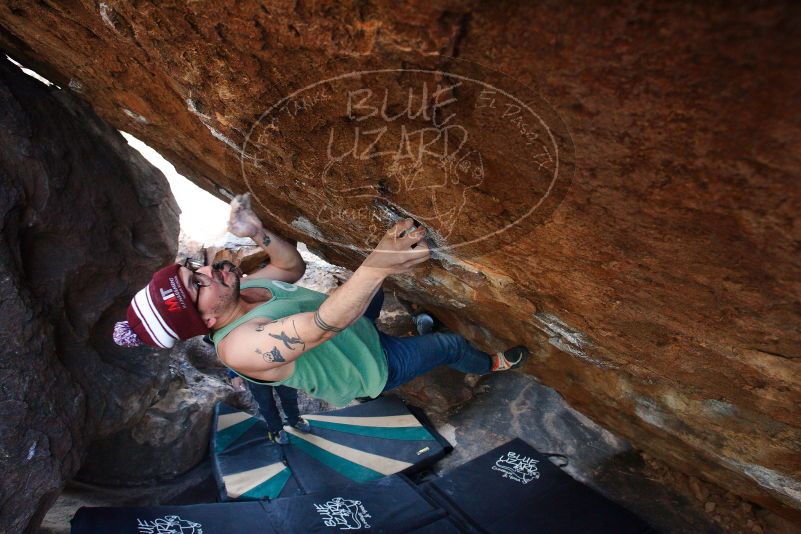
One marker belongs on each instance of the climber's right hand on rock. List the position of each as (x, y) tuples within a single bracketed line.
[(394, 253), (243, 222)]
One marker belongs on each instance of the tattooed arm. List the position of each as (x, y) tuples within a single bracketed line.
[(260, 347), (286, 262)]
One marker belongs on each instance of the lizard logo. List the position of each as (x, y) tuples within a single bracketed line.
[(471, 154)]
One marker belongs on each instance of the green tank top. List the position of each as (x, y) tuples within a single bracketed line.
[(350, 365)]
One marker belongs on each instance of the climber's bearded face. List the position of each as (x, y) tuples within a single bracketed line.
[(213, 288)]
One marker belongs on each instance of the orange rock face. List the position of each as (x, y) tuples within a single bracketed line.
[(617, 187)]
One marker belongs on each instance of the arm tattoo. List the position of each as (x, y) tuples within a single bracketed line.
[(322, 325), (274, 356), (266, 240), (290, 341), (260, 327)]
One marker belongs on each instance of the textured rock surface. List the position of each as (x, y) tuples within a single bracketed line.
[(170, 438), (84, 221), (662, 295)]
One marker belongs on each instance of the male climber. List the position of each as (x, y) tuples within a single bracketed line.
[(270, 331)]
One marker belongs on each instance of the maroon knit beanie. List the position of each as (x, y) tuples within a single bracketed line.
[(161, 313)]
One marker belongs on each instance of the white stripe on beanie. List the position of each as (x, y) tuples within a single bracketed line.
[(158, 315), (135, 304), (150, 320)]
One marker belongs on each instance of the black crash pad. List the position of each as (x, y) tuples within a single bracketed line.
[(514, 489), (228, 518), (391, 505)]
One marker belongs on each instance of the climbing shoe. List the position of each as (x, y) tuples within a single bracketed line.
[(510, 358), (279, 437), (302, 425), (423, 323)]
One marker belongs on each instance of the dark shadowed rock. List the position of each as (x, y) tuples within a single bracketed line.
[(170, 438), (660, 296), (201, 355), (84, 221)]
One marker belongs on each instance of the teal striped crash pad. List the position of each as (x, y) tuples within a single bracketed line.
[(355, 444)]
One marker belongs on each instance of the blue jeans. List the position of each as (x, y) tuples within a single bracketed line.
[(410, 357), (289, 402)]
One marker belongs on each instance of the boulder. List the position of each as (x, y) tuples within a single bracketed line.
[(619, 188), (85, 221), (170, 438)]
